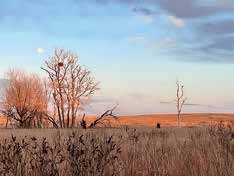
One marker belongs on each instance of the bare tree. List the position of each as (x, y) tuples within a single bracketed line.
[(180, 100), (103, 120), (71, 84), (24, 100)]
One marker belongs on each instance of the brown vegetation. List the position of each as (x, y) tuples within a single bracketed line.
[(24, 100), (124, 151)]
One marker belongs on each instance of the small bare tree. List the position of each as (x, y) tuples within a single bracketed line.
[(71, 85), (103, 120), (180, 100), (24, 100)]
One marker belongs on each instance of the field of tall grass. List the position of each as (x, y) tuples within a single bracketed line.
[(123, 151)]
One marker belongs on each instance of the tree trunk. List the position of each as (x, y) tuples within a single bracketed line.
[(60, 119), (7, 122), (179, 120)]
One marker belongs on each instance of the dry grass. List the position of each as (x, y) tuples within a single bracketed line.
[(123, 151)]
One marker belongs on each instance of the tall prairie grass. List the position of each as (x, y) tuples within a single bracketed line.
[(122, 151)]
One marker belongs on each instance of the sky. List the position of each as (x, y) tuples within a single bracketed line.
[(135, 48)]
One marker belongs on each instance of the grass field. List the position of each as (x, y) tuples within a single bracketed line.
[(123, 151), (132, 147)]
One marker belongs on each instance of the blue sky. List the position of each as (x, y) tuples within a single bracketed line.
[(135, 48)]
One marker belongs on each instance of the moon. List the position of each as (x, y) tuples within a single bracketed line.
[(40, 50)]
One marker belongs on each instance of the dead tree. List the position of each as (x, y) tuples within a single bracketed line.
[(51, 120), (83, 123), (71, 84), (24, 100), (103, 120), (180, 101)]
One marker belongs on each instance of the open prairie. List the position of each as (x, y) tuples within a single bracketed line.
[(193, 119)]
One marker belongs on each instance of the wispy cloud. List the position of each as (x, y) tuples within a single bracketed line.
[(216, 28), (179, 23), (164, 43), (166, 102), (187, 104), (143, 10), (210, 25), (194, 8), (147, 19)]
